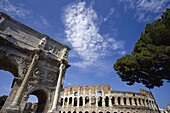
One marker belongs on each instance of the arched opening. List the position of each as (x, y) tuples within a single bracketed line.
[(119, 100), (93, 100), (70, 100), (42, 98), (86, 100), (80, 112), (106, 101), (99, 101), (65, 102), (143, 101), (69, 111), (74, 112), (107, 112), (61, 103), (93, 112), (124, 99), (130, 101), (135, 101), (100, 112), (32, 104), (139, 101), (81, 101), (113, 100), (86, 112), (75, 101), (8, 70)]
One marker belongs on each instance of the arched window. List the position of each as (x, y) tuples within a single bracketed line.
[(75, 94), (65, 103), (93, 100), (143, 101), (98, 87), (99, 101), (80, 111), (119, 100), (113, 100), (135, 101), (74, 112), (70, 100), (130, 101), (107, 101), (81, 101), (86, 100), (87, 87), (139, 101), (99, 93), (124, 100), (81, 87), (61, 104), (75, 101), (93, 112), (86, 112), (71, 89), (69, 111)]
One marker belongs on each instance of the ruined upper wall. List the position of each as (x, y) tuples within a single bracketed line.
[(27, 38)]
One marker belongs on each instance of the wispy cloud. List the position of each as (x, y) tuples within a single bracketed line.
[(13, 9), (83, 34), (145, 7), (112, 10)]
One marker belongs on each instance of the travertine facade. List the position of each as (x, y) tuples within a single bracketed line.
[(102, 99), (37, 62)]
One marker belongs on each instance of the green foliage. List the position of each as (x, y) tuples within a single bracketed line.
[(2, 100), (149, 62)]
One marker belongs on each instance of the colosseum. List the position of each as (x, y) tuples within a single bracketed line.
[(102, 99)]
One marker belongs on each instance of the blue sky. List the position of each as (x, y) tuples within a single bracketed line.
[(97, 31)]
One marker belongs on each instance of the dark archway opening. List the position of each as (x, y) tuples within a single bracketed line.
[(107, 101), (42, 98), (81, 101), (100, 101), (8, 70)]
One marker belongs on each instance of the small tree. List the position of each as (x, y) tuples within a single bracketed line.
[(149, 62)]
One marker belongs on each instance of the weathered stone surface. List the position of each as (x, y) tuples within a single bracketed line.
[(102, 99), (34, 60)]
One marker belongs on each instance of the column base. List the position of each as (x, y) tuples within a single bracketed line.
[(13, 109)]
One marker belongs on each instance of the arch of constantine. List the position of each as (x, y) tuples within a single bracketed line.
[(102, 99), (37, 62)]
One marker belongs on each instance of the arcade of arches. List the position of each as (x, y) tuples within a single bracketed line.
[(102, 99)]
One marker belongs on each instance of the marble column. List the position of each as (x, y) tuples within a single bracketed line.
[(16, 102), (57, 90)]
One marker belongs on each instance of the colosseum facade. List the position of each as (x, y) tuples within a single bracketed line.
[(102, 99)]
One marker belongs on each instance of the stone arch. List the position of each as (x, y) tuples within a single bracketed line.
[(119, 100), (61, 103), (86, 100), (93, 100), (70, 100), (74, 111), (130, 101), (75, 101), (124, 100), (86, 112), (41, 94), (106, 101), (80, 112), (99, 101), (93, 112), (81, 101), (9, 65), (113, 100)]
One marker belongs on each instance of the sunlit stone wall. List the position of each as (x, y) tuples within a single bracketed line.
[(102, 99)]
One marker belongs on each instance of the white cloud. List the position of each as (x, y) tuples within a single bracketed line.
[(13, 9), (145, 7), (83, 34), (112, 10)]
